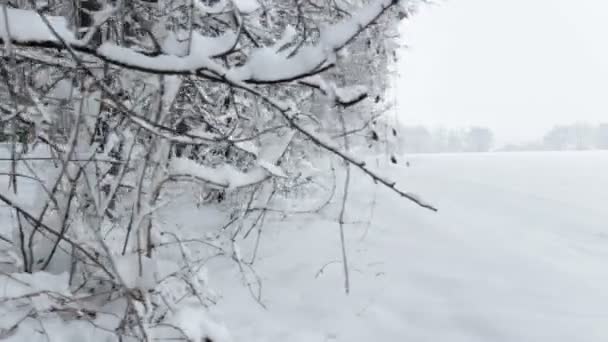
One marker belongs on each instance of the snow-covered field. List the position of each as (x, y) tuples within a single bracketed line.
[(517, 252)]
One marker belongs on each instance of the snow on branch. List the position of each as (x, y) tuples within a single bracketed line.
[(218, 7), (198, 45), (246, 6), (227, 176), (38, 34), (264, 65), (223, 176), (24, 284), (346, 96), (352, 160), (327, 145), (273, 149), (334, 37), (349, 96), (161, 64)]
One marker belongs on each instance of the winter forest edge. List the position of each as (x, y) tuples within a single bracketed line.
[(114, 111)]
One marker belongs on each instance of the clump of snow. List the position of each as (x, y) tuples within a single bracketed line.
[(172, 86), (37, 289), (343, 95), (274, 146), (288, 36), (160, 63), (350, 94), (128, 267), (27, 26), (269, 65), (265, 64), (225, 176), (200, 46), (318, 82), (197, 325), (103, 15), (337, 35), (23, 284), (248, 147), (217, 7), (246, 6), (272, 168)]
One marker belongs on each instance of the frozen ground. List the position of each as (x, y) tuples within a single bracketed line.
[(518, 252)]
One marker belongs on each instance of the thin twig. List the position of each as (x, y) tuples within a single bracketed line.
[(343, 210)]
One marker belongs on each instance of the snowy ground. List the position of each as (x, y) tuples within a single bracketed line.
[(517, 252)]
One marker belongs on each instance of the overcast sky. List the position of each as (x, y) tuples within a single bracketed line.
[(517, 66)]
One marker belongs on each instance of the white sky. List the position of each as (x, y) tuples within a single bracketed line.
[(516, 66)]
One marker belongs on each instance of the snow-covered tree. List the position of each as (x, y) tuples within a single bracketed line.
[(602, 136), (479, 139), (108, 104)]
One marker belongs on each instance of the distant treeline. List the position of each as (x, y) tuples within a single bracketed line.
[(578, 136), (420, 139)]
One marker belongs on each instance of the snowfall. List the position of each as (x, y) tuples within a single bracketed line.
[(518, 251)]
